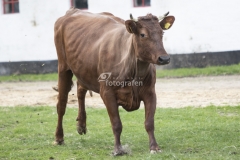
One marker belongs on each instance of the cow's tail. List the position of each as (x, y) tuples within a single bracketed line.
[(90, 92)]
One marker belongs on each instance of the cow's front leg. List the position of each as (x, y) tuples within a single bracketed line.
[(109, 100), (81, 124), (150, 107)]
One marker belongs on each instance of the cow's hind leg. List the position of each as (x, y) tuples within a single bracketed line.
[(81, 124), (64, 86)]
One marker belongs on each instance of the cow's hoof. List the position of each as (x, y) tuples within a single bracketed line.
[(81, 130), (58, 142), (155, 151), (119, 153), (122, 150)]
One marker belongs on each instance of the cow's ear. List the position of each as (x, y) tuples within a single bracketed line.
[(167, 22), (131, 26)]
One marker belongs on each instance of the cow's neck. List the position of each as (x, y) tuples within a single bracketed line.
[(136, 70), (142, 68), (133, 67)]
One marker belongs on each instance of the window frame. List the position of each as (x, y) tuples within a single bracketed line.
[(10, 2), (143, 2), (72, 5)]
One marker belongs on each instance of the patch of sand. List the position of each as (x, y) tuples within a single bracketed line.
[(173, 92)]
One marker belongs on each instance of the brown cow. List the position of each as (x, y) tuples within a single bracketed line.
[(114, 58)]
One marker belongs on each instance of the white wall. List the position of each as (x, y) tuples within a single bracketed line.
[(28, 35), (203, 25), (200, 26)]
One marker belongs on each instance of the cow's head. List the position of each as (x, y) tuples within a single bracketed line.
[(148, 35)]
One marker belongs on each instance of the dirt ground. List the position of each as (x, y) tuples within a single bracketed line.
[(173, 92)]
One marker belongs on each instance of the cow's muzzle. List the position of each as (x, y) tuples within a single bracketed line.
[(164, 59)]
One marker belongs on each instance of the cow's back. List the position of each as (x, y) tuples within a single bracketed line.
[(84, 18), (84, 38)]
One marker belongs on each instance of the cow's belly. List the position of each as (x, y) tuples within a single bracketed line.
[(89, 85), (127, 99), (85, 73)]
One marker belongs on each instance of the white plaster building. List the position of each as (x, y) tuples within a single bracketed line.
[(200, 26)]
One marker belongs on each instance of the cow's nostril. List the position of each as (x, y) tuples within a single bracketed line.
[(164, 59)]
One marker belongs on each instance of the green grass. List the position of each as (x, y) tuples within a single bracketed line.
[(30, 77), (193, 72), (174, 73), (187, 133)]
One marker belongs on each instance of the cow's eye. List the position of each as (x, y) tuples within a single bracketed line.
[(142, 35)]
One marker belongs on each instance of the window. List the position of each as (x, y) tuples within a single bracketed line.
[(81, 4), (10, 6), (141, 3)]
